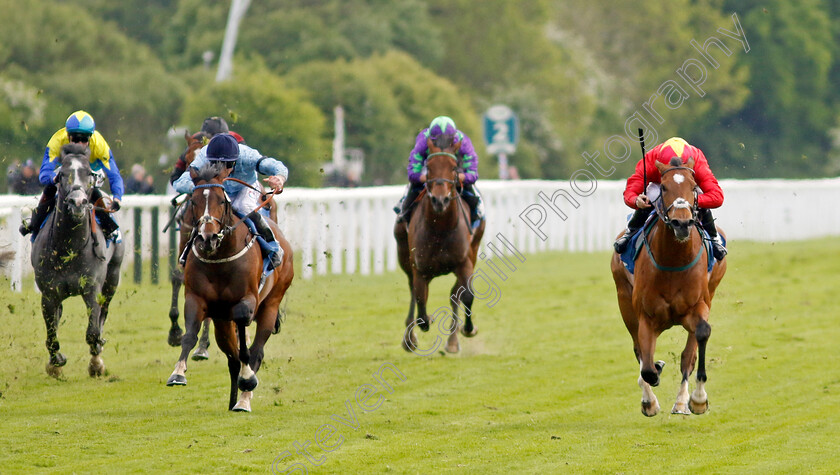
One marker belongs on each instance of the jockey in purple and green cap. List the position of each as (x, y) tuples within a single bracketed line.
[(467, 159)]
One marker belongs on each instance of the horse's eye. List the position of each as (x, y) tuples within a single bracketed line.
[(664, 189)]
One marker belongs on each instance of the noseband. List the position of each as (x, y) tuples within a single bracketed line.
[(679, 203)]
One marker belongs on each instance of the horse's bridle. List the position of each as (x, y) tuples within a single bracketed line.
[(456, 184), (207, 219), (679, 203)]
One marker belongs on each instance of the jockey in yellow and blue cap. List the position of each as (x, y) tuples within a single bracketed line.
[(78, 128)]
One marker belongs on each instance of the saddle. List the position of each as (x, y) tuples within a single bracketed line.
[(634, 248)]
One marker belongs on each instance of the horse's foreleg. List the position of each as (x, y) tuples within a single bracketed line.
[(51, 310), (93, 335), (687, 360), (242, 315), (175, 333), (421, 295), (462, 293), (203, 343), (194, 312), (699, 402), (452, 344), (648, 369)]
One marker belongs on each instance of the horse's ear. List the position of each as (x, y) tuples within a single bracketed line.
[(660, 166), (193, 173), (429, 143), (458, 146), (187, 135), (690, 163)]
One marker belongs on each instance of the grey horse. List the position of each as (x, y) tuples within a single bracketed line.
[(71, 257)]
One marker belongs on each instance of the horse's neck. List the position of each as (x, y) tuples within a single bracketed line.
[(668, 250), (68, 233)]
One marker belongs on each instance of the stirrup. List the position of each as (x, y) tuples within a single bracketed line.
[(25, 228), (621, 243)]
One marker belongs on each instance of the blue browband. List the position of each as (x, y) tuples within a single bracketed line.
[(209, 185)]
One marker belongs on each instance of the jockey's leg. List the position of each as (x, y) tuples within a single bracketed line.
[(107, 222), (635, 223), (473, 198), (708, 222), (412, 192), (269, 242), (39, 214)]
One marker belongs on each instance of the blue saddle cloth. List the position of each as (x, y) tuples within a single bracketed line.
[(634, 248), (115, 239)]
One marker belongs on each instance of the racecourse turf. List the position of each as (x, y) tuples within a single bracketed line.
[(547, 386)]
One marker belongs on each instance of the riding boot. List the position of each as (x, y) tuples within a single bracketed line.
[(471, 195), (708, 222), (271, 247), (40, 213), (407, 203), (635, 223), (110, 228)]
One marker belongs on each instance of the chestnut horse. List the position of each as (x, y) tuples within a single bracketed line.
[(183, 215), (437, 242), (671, 286), (222, 283)]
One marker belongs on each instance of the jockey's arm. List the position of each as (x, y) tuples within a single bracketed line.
[(469, 162), (115, 181)]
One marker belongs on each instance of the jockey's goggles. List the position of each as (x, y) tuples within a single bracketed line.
[(78, 137)]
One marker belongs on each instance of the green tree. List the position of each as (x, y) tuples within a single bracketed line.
[(274, 118)]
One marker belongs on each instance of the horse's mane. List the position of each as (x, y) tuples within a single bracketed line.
[(444, 141), (208, 171), (75, 149)]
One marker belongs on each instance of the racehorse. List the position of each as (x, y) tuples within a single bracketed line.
[(222, 282), (671, 286), (71, 257), (183, 215), (438, 241)]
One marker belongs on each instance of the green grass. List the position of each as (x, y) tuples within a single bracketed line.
[(548, 385)]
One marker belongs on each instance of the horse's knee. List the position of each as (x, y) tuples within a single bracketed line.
[(703, 331), (242, 312)]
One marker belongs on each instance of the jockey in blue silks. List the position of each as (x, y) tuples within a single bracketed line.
[(246, 163), (468, 169)]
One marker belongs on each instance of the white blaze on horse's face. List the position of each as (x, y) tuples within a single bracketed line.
[(77, 196), (678, 178), (206, 219)]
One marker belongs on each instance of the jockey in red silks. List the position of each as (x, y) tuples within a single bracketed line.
[(468, 172), (711, 195)]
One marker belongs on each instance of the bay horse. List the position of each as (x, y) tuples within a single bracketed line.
[(437, 241), (222, 283), (671, 286), (71, 257), (183, 216)]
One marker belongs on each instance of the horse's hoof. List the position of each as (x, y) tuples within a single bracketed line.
[(241, 407), (58, 360), (698, 407), (96, 368), (201, 354), (469, 334), (409, 342), (175, 336), (54, 371), (247, 384), (650, 408), (453, 348), (680, 408), (422, 324), (177, 380)]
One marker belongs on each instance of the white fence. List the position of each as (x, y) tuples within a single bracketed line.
[(350, 230)]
